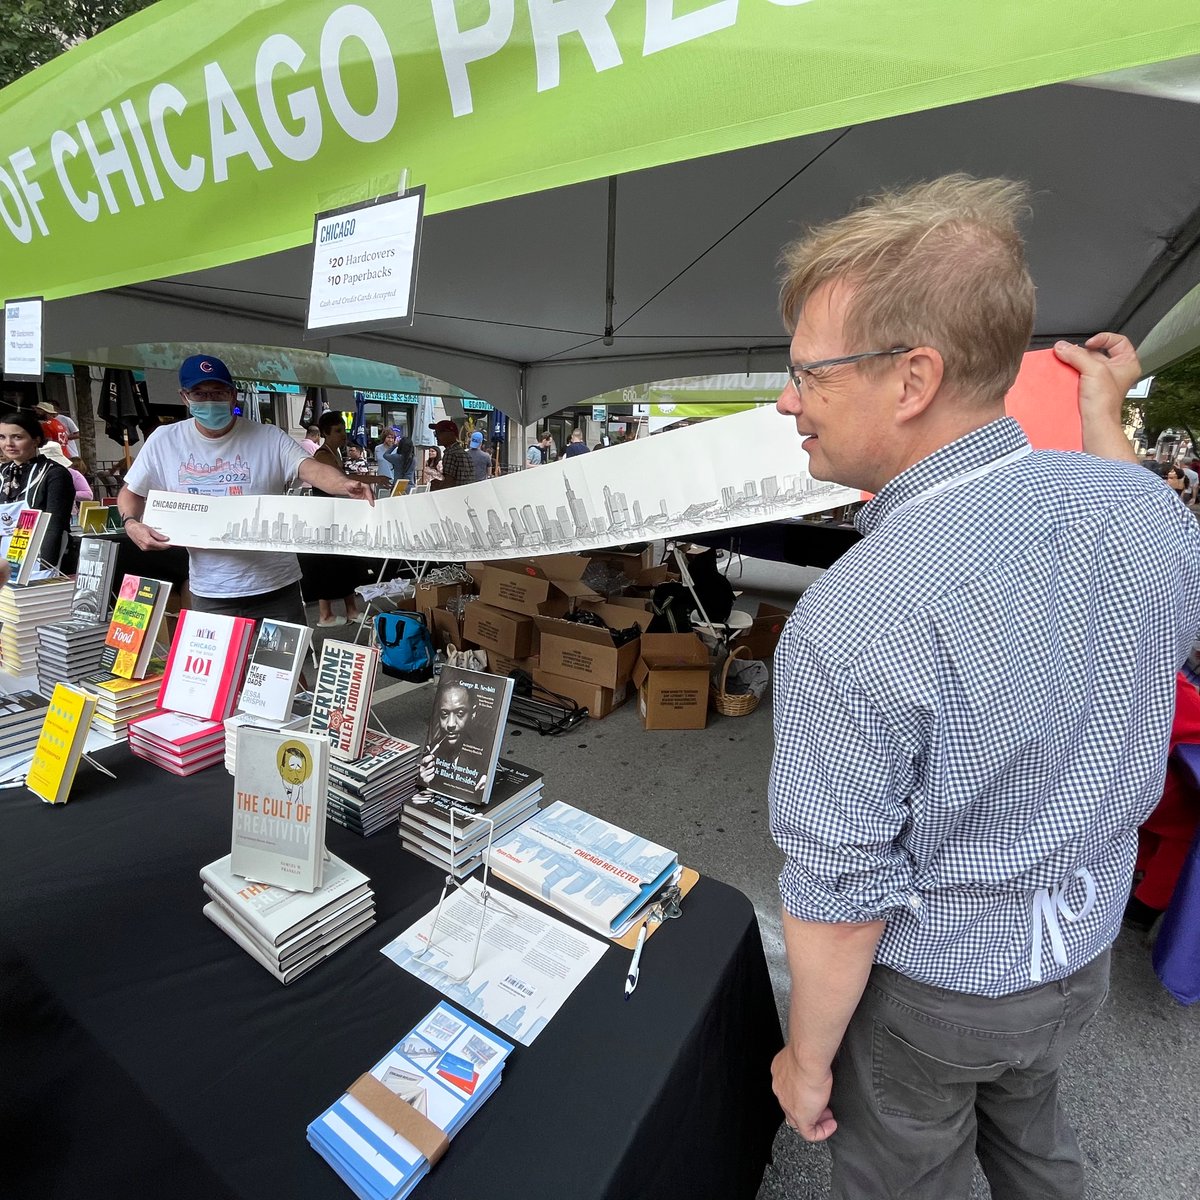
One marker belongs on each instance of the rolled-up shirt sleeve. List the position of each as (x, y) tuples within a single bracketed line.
[(839, 796)]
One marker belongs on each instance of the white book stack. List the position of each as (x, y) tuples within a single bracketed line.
[(119, 701), (289, 933), (22, 610), (366, 795), (301, 708)]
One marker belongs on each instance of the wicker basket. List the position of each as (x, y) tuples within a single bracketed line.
[(722, 701)]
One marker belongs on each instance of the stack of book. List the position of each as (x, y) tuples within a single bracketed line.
[(67, 651), (176, 742), (289, 933), (595, 872), (366, 795), (301, 707), (21, 718), (119, 701), (453, 835), (441, 1072), (22, 610)]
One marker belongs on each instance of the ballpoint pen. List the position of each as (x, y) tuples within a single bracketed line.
[(631, 980)]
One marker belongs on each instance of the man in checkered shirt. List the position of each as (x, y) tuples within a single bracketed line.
[(971, 707)]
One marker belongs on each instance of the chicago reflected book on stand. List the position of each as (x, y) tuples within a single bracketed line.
[(466, 729), (596, 872)]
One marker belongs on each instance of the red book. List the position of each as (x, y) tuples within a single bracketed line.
[(205, 667)]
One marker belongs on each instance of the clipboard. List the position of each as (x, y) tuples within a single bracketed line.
[(687, 881)]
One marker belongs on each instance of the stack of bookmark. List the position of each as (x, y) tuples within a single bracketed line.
[(395, 1122)]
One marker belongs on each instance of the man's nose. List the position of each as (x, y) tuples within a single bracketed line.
[(788, 403)]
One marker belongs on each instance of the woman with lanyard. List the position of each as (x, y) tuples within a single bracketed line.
[(28, 479)]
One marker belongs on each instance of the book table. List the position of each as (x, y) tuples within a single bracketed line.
[(143, 1053)]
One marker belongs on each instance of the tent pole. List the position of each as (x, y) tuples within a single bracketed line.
[(610, 281)]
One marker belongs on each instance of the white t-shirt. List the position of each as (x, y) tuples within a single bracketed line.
[(72, 446), (250, 460)]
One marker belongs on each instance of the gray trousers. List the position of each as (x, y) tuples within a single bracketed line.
[(926, 1079)]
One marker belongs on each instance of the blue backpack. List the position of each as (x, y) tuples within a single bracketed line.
[(405, 645)]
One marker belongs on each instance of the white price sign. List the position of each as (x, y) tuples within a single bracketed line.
[(23, 339), (364, 269)]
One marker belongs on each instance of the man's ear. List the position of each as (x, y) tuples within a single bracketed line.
[(921, 371)]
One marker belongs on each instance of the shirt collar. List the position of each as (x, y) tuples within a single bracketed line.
[(977, 448)]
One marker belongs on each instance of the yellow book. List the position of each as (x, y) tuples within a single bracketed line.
[(94, 520), (85, 507), (64, 732)]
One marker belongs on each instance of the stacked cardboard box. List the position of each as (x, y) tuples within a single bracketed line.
[(671, 677)]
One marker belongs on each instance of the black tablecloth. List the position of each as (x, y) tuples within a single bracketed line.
[(143, 1053)]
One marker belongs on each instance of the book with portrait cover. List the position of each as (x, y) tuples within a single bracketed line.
[(466, 729), (204, 667), (280, 787), (93, 580), (137, 616), (342, 696), (274, 670)]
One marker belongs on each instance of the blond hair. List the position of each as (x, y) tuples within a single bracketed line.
[(939, 264)]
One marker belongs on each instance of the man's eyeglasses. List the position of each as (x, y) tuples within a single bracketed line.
[(800, 373)]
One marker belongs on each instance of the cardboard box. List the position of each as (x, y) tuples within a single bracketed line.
[(587, 652), (630, 563), (510, 634), (671, 677), (599, 701), (500, 664), (428, 597), (446, 629), (547, 587), (763, 636)]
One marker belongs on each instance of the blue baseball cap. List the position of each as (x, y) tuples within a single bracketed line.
[(476, 440), (204, 368)]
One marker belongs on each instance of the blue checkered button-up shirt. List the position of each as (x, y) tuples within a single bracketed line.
[(972, 709)]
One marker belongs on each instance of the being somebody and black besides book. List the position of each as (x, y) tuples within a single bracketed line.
[(342, 696), (453, 836), (466, 728)]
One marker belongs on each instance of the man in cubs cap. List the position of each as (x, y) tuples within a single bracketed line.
[(204, 368)]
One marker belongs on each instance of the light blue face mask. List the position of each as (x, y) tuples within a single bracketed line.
[(213, 415)]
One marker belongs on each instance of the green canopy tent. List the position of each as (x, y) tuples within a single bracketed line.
[(608, 183)]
